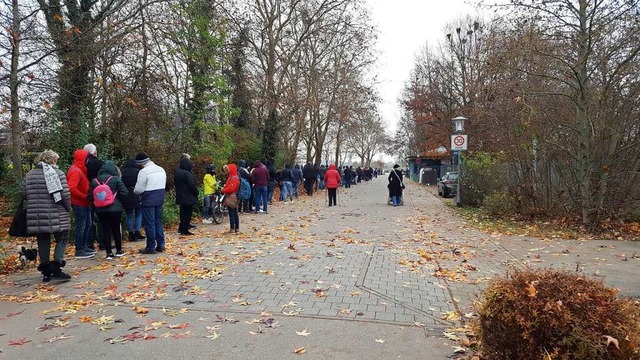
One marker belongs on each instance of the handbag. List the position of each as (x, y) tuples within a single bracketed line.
[(18, 226), (231, 201)]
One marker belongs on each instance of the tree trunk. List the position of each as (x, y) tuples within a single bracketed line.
[(14, 83)]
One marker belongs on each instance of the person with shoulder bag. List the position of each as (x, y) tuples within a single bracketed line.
[(230, 190), (48, 202)]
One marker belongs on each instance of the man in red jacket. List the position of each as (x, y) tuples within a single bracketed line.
[(332, 179), (79, 188)]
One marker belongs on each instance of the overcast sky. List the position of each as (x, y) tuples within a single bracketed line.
[(405, 26)]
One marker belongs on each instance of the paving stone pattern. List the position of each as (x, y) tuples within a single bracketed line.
[(362, 261)]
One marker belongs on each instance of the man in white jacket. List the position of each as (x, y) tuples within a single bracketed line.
[(151, 184)]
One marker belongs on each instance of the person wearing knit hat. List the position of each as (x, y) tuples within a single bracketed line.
[(151, 183), (142, 159)]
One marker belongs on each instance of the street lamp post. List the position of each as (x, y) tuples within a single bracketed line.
[(459, 143)]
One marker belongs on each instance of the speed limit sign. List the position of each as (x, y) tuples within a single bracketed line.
[(458, 142)]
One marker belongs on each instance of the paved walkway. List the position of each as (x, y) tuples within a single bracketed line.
[(366, 280)]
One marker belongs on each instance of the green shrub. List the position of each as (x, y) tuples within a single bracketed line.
[(550, 314), (499, 203), (482, 174), (170, 211)]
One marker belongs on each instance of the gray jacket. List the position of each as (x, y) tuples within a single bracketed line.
[(43, 215)]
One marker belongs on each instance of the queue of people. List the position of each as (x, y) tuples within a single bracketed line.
[(93, 188)]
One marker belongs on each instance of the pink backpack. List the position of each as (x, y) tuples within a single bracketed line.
[(102, 194)]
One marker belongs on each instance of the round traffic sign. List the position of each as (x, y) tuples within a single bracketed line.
[(459, 140)]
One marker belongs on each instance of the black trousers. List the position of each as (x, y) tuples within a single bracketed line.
[(333, 199), (308, 186), (186, 211), (234, 219), (110, 226)]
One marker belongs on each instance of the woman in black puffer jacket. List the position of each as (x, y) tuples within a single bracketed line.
[(131, 203), (186, 193)]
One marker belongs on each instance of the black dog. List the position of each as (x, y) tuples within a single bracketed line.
[(27, 255)]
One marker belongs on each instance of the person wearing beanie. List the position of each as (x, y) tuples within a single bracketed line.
[(93, 166), (150, 185)]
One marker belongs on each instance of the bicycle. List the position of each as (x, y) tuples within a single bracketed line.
[(219, 210)]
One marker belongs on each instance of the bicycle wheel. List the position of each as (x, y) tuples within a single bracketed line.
[(217, 214)]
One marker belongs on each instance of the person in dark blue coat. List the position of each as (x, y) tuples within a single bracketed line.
[(186, 193), (131, 203)]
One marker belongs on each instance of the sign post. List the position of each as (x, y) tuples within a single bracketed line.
[(459, 142)]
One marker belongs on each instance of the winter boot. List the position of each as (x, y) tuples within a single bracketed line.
[(139, 236), (45, 269), (132, 236), (56, 270)]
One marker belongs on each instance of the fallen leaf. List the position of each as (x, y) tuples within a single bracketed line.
[(140, 310), (60, 337), (612, 340), (18, 342), (531, 289), (299, 351), (179, 326), (459, 350), (303, 333), (103, 320), (213, 336), (380, 341), (451, 336)]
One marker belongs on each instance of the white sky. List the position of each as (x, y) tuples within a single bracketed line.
[(405, 26)]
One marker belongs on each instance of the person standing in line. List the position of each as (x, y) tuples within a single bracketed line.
[(109, 216), (260, 180), (321, 171), (271, 185), (279, 184), (48, 202), (186, 193), (347, 177), (79, 188), (231, 186), (94, 164), (151, 184), (332, 179), (210, 186), (309, 174), (287, 183), (131, 203), (297, 179), (395, 185), (243, 172)]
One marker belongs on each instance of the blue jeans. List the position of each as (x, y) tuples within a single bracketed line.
[(83, 237), (152, 217), (296, 189), (138, 218), (260, 197), (207, 206), (271, 185), (287, 190)]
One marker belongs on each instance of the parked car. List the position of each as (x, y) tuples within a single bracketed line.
[(448, 184)]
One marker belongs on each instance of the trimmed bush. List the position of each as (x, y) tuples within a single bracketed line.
[(550, 314)]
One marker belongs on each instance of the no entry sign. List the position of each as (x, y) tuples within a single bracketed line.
[(458, 142)]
